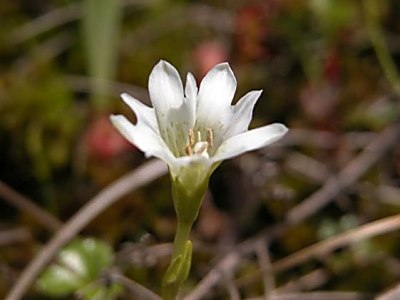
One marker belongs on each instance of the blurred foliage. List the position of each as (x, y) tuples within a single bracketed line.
[(327, 66), (78, 270)]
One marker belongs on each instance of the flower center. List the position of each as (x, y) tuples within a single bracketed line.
[(196, 145)]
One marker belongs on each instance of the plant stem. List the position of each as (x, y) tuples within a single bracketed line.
[(170, 290), (181, 236), (187, 193)]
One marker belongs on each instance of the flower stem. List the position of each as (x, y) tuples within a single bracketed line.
[(180, 262), (187, 193), (181, 236)]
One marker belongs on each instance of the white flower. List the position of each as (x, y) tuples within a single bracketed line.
[(193, 129)]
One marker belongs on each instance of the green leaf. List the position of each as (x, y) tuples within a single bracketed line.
[(79, 265)]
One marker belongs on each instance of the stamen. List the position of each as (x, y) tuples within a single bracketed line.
[(188, 150), (210, 138), (196, 146), (198, 136), (191, 137)]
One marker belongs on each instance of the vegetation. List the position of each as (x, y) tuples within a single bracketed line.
[(317, 214)]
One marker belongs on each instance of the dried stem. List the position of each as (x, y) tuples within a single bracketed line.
[(99, 203), (348, 176), (135, 288), (29, 207)]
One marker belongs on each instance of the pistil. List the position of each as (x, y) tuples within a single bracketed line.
[(196, 145)]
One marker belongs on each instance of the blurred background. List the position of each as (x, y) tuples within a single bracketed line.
[(328, 70)]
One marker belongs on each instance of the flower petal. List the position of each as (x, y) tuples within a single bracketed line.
[(191, 87), (190, 101), (250, 140), (214, 100), (242, 114), (143, 137), (165, 88), (144, 114)]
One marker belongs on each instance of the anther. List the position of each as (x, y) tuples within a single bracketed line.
[(191, 138), (188, 150), (198, 136), (196, 146), (210, 138)]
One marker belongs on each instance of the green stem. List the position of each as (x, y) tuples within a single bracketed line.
[(171, 289), (187, 193), (181, 237)]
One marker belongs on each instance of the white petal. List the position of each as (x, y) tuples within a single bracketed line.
[(144, 114), (144, 138), (250, 140), (242, 113), (165, 87), (175, 115), (190, 99), (214, 99), (191, 87)]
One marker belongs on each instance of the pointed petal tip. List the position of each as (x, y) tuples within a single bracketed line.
[(162, 63), (128, 99), (223, 66), (124, 94), (114, 119), (125, 97), (190, 76), (278, 129), (281, 128), (255, 94)]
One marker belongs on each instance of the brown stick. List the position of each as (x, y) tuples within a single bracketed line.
[(99, 203), (360, 233), (348, 176), (135, 288), (26, 205)]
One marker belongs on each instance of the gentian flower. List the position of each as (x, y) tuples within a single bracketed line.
[(193, 129)]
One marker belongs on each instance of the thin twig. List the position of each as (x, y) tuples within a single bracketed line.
[(45, 22), (86, 214), (15, 235), (307, 282), (224, 266), (135, 288), (322, 248), (322, 295), (56, 18), (348, 176), (29, 207), (265, 265), (307, 167), (392, 294), (232, 289)]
